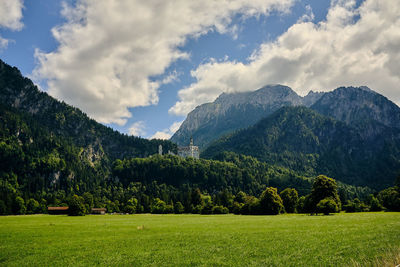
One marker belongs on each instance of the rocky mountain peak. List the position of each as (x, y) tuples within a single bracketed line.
[(311, 98), (358, 105), (233, 111)]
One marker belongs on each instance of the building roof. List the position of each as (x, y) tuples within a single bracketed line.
[(57, 208)]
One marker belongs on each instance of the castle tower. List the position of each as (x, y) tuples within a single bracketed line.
[(189, 151), (160, 149)]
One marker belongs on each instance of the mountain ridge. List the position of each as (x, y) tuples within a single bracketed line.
[(353, 105), (65, 120), (301, 139), (234, 111), (230, 112)]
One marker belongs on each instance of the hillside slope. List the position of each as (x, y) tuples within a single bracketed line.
[(66, 121), (306, 141), (48, 145)]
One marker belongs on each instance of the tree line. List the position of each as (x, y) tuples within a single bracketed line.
[(161, 199)]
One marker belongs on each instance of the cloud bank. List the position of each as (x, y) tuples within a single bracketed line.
[(137, 129), (353, 46), (10, 18), (109, 50), (167, 133)]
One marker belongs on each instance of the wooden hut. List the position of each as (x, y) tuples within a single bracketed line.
[(100, 211), (57, 210)]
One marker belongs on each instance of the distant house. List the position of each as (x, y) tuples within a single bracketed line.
[(57, 210), (189, 151), (101, 211)]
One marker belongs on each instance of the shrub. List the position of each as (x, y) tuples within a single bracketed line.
[(158, 206), (3, 208), (76, 206), (326, 206), (169, 209), (19, 206), (220, 210), (197, 209), (131, 206), (207, 209), (130, 209), (390, 198), (178, 208), (305, 204), (375, 204), (250, 206), (355, 206), (236, 207), (32, 206)]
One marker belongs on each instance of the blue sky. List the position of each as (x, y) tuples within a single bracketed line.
[(140, 68)]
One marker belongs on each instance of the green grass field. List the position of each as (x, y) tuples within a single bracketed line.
[(191, 240)]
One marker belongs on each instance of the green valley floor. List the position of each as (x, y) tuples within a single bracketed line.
[(358, 239)]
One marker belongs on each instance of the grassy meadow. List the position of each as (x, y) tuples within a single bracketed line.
[(358, 239)]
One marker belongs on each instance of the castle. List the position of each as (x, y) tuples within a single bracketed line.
[(184, 151), (189, 151)]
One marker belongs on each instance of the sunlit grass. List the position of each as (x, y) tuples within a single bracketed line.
[(286, 240)]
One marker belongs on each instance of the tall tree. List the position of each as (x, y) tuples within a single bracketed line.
[(271, 202), (76, 206), (290, 198), (324, 187)]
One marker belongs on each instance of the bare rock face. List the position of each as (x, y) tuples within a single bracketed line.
[(311, 98), (230, 112), (360, 107)]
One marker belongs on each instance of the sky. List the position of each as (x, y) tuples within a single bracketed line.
[(141, 66)]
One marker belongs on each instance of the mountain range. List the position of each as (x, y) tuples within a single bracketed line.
[(230, 112), (350, 133)]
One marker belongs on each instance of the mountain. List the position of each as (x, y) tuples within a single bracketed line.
[(303, 140), (360, 107), (230, 112), (45, 143), (66, 121)]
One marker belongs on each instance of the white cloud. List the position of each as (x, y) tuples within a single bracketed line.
[(340, 51), (308, 16), (11, 14), (108, 50), (167, 133), (10, 18), (3, 43), (137, 129), (161, 135)]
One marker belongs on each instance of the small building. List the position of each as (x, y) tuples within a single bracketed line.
[(57, 210), (100, 211), (189, 151)]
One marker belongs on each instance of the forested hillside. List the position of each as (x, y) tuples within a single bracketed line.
[(305, 141), (66, 121)]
